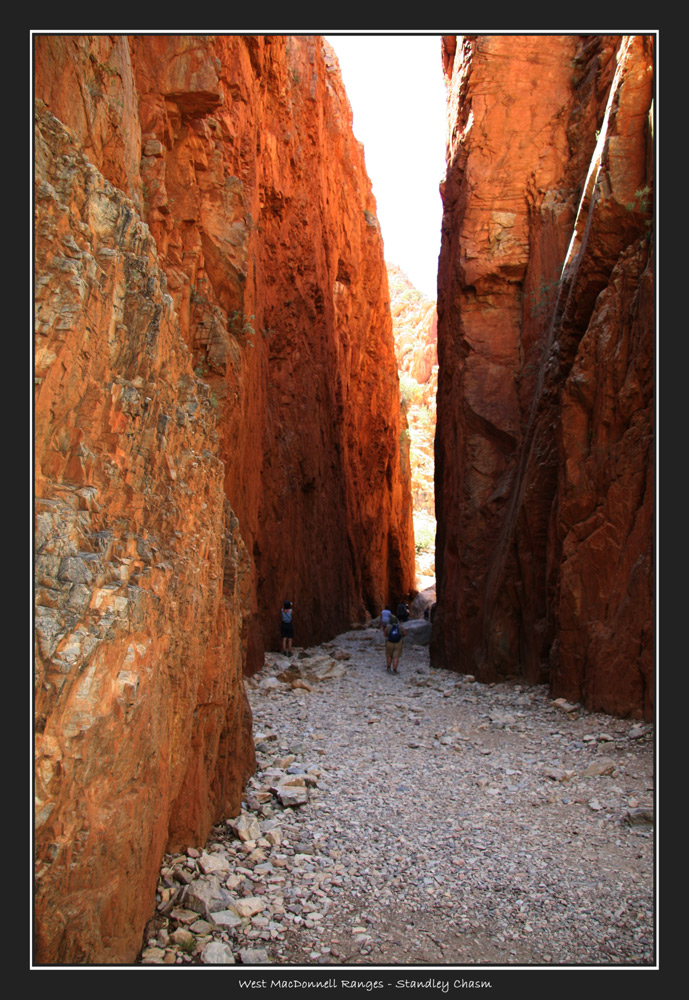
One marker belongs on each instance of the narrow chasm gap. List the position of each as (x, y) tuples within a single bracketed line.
[(404, 138), (415, 329)]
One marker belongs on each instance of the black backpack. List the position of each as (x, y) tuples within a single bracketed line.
[(394, 635)]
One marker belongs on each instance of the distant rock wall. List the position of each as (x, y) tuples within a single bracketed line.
[(217, 427), (415, 329), (544, 447)]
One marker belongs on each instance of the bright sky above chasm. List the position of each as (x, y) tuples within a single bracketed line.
[(395, 87)]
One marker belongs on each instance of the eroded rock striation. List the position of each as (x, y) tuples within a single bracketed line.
[(141, 723), (218, 427), (544, 447)]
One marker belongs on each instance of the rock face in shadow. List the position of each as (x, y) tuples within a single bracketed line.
[(544, 447), (217, 428)]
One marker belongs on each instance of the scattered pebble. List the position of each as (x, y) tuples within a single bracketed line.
[(419, 818)]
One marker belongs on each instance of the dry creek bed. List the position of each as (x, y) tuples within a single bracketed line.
[(419, 819)]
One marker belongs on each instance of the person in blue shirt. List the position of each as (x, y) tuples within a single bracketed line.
[(385, 616), (287, 627)]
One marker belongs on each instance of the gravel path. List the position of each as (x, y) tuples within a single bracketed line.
[(443, 823)]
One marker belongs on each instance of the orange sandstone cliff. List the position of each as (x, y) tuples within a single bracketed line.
[(544, 447), (217, 428)]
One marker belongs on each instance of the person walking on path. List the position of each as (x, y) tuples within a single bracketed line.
[(287, 627), (394, 641), (402, 612), (385, 616)]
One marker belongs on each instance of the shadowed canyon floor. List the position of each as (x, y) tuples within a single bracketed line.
[(419, 819)]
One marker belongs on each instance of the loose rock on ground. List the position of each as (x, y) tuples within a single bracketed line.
[(419, 818)]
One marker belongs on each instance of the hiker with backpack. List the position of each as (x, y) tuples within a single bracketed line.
[(287, 627), (394, 640)]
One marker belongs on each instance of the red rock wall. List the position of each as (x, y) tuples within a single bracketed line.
[(142, 728), (544, 459), (217, 428), (257, 195)]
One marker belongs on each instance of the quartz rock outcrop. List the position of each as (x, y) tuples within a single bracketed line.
[(218, 427), (544, 447)]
